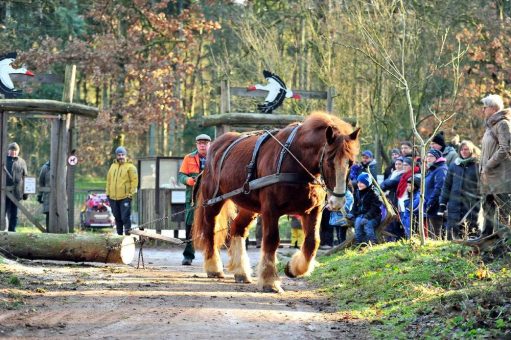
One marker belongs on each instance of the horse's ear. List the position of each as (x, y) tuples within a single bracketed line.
[(330, 137), (354, 134)]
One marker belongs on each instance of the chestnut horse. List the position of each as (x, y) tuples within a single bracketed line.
[(320, 153)]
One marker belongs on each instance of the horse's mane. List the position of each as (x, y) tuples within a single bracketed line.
[(320, 120)]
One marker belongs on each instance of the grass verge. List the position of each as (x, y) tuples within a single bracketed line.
[(405, 290)]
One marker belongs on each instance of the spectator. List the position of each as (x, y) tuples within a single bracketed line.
[(389, 186), (296, 231), (495, 167), (16, 170), (460, 193), (402, 195), (407, 149), (367, 164), (192, 165), (335, 222), (413, 193), (434, 181), (121, 185), (43, 197), (366, 210), (394, 154), (448, 152)]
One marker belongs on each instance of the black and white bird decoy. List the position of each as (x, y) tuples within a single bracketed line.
[(6, 85), (277, 92)]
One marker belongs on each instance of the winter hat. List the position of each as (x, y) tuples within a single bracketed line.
[(439, 139), (13, 146), (401, 159), (120, 149), (203, 136), (368, 153), (364, 178), (408, 160), (435, 153), (395, 151)]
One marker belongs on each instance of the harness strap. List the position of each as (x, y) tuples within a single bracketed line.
[(260, 183), (286, 146), (224, 156), (253, 162)]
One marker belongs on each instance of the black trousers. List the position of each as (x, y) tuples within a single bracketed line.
[(189, 252), (122, 213), (11, 210), (497, 212)]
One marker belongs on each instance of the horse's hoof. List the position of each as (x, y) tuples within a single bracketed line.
[(241, 278), (287, 270), (217, 275), (273, 289)]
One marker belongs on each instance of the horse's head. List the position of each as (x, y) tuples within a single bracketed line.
[(340, 151)]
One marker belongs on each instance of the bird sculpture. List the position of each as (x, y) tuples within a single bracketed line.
[(277, 92), (6, 85)]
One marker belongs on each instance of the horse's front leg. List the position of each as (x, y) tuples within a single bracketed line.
[(302, 262), (269, 280), (239, 263)]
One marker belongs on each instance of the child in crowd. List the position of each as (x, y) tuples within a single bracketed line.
[(296, 231), (366, 210), (404, 208)]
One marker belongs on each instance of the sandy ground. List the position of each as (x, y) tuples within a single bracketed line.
[(163, 301)]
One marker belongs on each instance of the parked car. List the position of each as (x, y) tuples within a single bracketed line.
[(96, 212)]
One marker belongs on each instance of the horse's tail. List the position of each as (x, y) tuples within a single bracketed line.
[(206, 233)]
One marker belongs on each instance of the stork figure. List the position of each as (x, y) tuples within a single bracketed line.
[(277, 92), (6, 85)]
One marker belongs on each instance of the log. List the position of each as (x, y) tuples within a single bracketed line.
[(47, 105), (241, 118), (68, 247)]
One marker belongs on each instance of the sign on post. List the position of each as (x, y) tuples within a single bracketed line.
[(30, 185)]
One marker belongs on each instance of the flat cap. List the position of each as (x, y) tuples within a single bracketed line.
[(203, 136)]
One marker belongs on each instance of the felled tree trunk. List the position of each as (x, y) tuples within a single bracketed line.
[(68, 247)]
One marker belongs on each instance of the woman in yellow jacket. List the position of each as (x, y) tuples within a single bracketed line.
[(121, 185)]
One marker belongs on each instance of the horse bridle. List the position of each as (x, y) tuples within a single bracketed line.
[(322, 176)]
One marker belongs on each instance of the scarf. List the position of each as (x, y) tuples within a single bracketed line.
[(401, 186)]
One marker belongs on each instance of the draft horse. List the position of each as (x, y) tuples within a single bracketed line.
[(317, 160)]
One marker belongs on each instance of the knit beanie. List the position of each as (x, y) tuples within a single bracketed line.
[(395, 151), (364, 178), (121, 149), (440, 139), (435, 153), (408, 160), (368, 153)]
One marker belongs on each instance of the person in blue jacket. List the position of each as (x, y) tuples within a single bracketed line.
[(434, 181), (366, 210)]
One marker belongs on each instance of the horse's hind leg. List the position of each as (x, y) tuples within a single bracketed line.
[(302, 261), (239, 262), (269, 280)]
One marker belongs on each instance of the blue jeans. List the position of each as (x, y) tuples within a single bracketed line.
[(364, 229)]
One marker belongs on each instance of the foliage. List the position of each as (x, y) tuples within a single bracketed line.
[(438, 290)]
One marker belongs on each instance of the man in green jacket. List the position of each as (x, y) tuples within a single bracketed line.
[(121, 185), (16, 169)]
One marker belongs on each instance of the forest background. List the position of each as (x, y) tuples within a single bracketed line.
[(154, 67)]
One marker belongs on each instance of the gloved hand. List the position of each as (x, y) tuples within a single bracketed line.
[(25, 197), (190, 181), (441, 210), (40, 198)]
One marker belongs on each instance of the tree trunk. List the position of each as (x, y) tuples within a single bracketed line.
[(68, 247)]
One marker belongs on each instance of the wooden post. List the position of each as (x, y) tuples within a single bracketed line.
[(225, 97), (67, 97), (3, 158), (330, 99), (59, 212)]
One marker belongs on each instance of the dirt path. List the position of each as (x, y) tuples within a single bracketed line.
[(163, 301)]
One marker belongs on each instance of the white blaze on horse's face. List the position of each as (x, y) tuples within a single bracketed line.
[(341, 170)]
